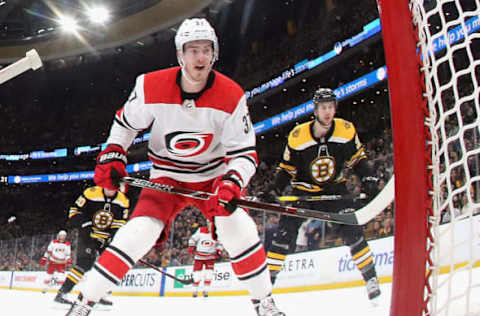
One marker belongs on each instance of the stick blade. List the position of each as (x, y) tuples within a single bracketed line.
[(34, 59)]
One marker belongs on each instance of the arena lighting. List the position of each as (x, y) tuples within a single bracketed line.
[(99, 15), (68, 23)]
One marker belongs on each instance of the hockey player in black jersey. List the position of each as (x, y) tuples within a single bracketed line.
[(315, 156), (97, 214)]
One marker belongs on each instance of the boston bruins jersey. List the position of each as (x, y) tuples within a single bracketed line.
[(98, 215), (316, 165)]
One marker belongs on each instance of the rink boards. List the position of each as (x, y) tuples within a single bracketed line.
[(314, 270)]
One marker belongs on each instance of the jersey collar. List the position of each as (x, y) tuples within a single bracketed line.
[(194, 96)]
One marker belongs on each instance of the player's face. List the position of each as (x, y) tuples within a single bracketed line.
[(197, 56), (61, 237), (325, 112)]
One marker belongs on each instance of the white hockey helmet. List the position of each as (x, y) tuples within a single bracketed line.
[(196, 29), (61, 233)]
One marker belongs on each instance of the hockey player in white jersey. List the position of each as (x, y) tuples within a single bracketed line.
[(201, 139), (56, 257), (205, 250)]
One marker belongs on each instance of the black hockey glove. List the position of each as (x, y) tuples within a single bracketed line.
[(270, 196), (370, 186)]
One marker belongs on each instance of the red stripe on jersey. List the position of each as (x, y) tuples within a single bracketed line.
[(171, 164), (251, 263), (116, 266), (161, 87)]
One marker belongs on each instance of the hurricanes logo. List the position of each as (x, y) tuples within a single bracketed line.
[(207, 243), (102, 219), (323, 169), (188, 144)]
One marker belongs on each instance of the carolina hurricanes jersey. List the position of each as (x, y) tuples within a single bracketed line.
[(205, 247), (58, 252), (191, 140)]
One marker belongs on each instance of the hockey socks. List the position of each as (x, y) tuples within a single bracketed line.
[(275, 262)]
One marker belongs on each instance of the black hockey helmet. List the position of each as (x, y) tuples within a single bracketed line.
[(324, 95)]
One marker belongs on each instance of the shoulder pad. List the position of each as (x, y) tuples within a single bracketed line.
[(344, 131), (122, 200), (301, 137), (93, 193)]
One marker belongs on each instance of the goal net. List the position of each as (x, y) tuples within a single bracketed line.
[(433, 58)]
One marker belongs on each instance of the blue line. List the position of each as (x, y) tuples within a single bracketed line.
[(162, 284)]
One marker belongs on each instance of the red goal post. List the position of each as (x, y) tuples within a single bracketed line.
[(410, 158), (434, 97)]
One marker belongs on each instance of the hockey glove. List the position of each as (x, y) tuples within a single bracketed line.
[(270, 196), (229, 187), (191, 250), (111, 167), (370, 186), (43, 261)]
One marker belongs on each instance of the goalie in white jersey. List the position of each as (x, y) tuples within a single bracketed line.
[(201, 139), (205, 250)]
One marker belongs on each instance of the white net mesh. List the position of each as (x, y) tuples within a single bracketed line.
[(449, 46)]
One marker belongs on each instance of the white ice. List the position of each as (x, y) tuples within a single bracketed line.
[(351, 301), (338, 302)]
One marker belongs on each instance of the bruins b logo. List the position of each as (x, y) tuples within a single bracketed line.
[(102, 219), (322, 169)]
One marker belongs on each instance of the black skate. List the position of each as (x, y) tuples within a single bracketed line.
[(195, 294), (205, 294), (373, 290)]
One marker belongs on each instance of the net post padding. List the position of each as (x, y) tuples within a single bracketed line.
[(412, 176)]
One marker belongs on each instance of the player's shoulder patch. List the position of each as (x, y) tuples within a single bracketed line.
[(301, 137), (122, 200), (93, 193), (344, 131)]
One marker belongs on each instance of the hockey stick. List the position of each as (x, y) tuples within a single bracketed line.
[(154, 267), (30, 61), (358, 217), (141, 183), (313, 198)]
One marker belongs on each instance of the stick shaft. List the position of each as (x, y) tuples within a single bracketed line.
[(313, 198), (344, 218)]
